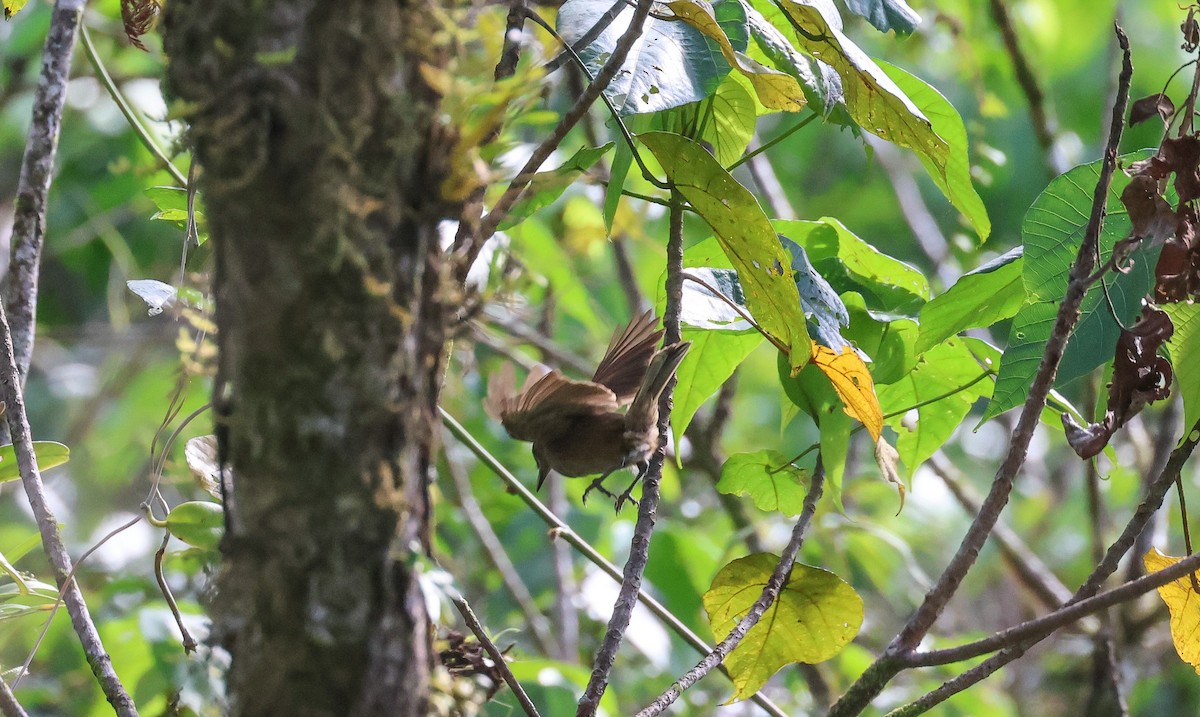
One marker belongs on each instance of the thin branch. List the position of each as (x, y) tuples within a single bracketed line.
[(56, 551), (511, 52), (550, 349), (1043, 125), (770, 592), (1030, 569), (1020, 637), (768, 183), (560, 530), (9, 705), (639, 546), (916, 212), (887, 666), (627, 275), (497, 657), (33, 187), (471, 246)]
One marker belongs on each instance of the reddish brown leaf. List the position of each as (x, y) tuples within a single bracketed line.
[(1152, 217), (1191, 32), (1145, 108), (1140, 377)]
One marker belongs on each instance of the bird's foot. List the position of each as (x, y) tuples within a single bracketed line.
[(598, 484)]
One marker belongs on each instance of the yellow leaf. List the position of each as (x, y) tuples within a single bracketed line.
[(12, 7), (1184, 603), (850, 378)]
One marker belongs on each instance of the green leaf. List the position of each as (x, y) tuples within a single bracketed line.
[(1183, 347), (1051, 232), (822, 306), (670, 64), (886, 15), (851, 264), (746, 236), (545, 187), (725, 121), (821, 83), (815, 616), (887, 339), (714, 356), (199, 523), (993, 292), (167, 198), (953, 176), (767, 478), (48, 454), (947, 372), (775, 90), (873, 100), (621, 162)]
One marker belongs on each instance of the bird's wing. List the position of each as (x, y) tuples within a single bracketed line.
[(629, 353), (546, 403)]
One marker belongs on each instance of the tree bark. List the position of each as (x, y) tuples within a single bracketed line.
[(321, 162)]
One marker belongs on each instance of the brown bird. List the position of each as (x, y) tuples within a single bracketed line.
[(574, 425)]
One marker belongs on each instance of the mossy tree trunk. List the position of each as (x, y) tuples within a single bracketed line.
[(320, 163)]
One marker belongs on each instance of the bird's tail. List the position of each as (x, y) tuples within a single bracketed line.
[(644, 409)]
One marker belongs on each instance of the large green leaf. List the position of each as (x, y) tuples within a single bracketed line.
[(745, 234), (821, 83), (1051, 232), (993, 292), (887, 339), (671, 63), (815, 616), (954, 176), (943, 386), (812, 393), (714, 356), (873, 100), (768, 478), (1184, 347)]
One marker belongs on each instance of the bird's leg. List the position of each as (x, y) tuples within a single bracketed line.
[(627, 495), (598, 484)]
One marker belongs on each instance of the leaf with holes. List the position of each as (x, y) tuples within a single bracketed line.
[(850, 378), (1183, 602)]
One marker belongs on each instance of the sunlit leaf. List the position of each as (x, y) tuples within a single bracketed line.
[(199, 523), (1183, 602), (852, 381), (954, 176), (745, 234), (873, 100), (821, 83), (12, 7), (767, 478), (48, 454), (724, 121), (813, 393), (156, 294), (775, 89), (813, 618), (991, 293), (545, 187), (714, 356)]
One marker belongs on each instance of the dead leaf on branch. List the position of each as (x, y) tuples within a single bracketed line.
[(1145, 108), (1140, 377), (138, 17)]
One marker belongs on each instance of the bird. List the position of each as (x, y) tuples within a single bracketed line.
[(575, 426)]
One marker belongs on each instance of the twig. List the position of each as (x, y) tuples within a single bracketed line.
[(33, 187), (511, 53), (639, 546), (494, 549), (497, 657), (916, 213), (189, 642), (887, 665), (56, 551), (561, 530), (9, 705), (546, 346), (1043, 126), (1021, 637), (770, 592), (471, 246), (768, 183)]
